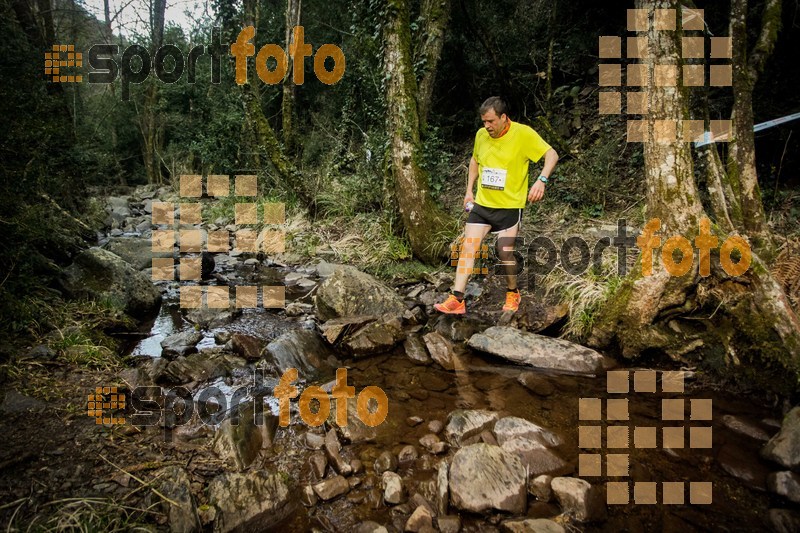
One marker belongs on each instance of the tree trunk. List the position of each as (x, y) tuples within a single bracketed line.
[(422, 218), (149, 122), (435, 14), (742, 159), (742, 324), (293, 9), (265, 135)]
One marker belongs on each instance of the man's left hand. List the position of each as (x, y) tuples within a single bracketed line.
[(537, 192)]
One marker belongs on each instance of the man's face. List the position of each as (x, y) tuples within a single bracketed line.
[(494, 124)]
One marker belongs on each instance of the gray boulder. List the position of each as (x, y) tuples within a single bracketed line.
[(350, 292), (199, 367), (485, 477), (465, 423), (251, 501), (440, 349), (241, 436), (174, 483), (513, 427), (134, 250), (786, 484), (535, 456), (180, 344), (100, 275), (301, 349), (537, 350), (579, 499), (376, 337), (784, 448)]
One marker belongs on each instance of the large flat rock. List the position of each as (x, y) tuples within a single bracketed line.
[(537, 350)]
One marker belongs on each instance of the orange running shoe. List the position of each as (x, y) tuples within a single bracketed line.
[(451, 306), (512, 301)]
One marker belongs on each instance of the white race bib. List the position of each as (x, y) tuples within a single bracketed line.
[(494, 178)]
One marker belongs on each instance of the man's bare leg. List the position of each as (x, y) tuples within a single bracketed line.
[(473, 236), (506, 241)]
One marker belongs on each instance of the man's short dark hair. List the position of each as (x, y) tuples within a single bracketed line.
[(496, 103)]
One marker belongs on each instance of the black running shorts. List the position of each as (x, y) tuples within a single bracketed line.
[(498, 219)]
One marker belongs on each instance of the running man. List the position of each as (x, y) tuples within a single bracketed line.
[(503, 149)]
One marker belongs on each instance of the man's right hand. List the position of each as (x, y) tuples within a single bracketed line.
[(468, 198)]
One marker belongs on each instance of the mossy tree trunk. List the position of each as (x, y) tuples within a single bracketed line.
[(422, 218), (293, 9), (742, 322), (265, 135), (435, 14), (744, 206)]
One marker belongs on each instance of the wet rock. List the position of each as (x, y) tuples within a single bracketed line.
[(414, 316), (784, 520), (252, 501), (539, 487), (440, 349), (448, 524), (173, 482), (301, 349), (786, 484), (241, 437), (435, 426), (457, 328), (98, 274), (414, 421), (488, 438), (418, 499), (135, 377), (393, 491), (385, 462), (247, 346), (513, 427), (484, 477), (370, 527), (433, 382), (210, 318), (308, 497), (376, 337), (180, 344), (442, 488), (318, 463), (135, 251), (531, 525), (332, 488), (298, 309), (420, 520), (333, 449), (537, 384), (429, 440), (222, 337), (336, 328), (355, 431), (784, 448), (199, 367), (415, 349), (314, 440), (744, 427), (579, 499), (463, 424), (407, 454), (356, 466), (349, 292), (537, 350)]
